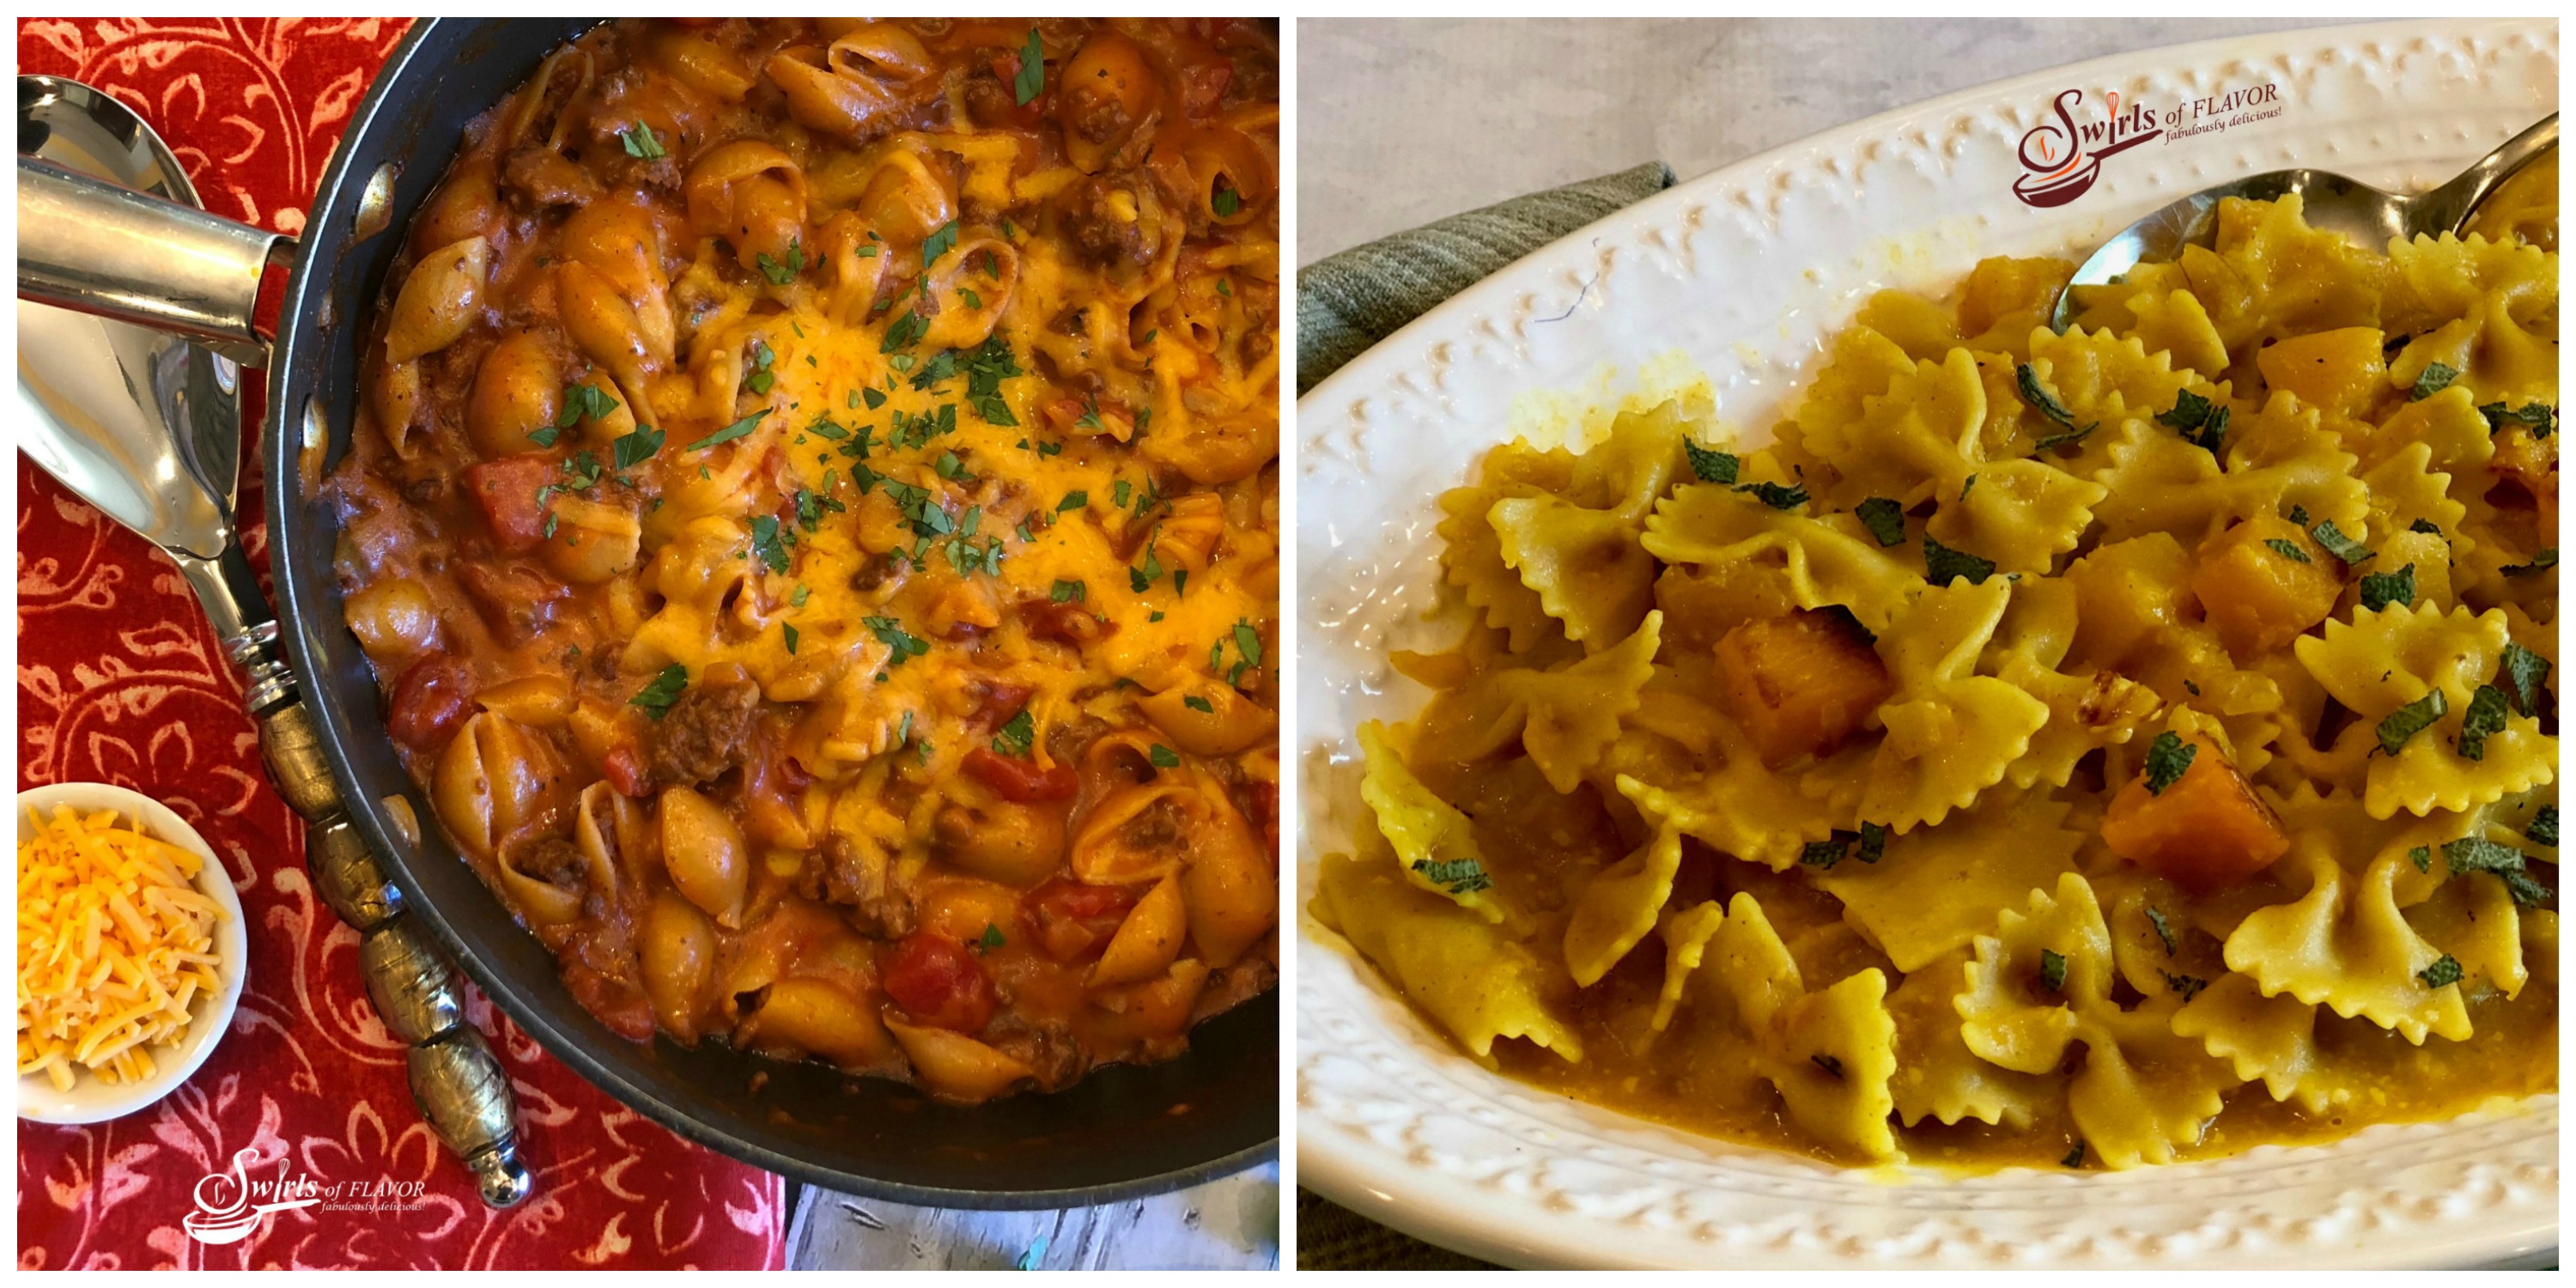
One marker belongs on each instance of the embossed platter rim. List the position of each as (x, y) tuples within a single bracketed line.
[(1744, 272)]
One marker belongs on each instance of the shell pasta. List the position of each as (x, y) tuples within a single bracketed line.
[(814, 514), (2083, 750)]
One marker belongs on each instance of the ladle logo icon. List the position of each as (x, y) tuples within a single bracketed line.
[(2061, 159), (230, 1204)]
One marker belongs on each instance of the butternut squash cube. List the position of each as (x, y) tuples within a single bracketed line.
[(2340, 371), (1801, 684), (2263, 583), (1999, 287), (2205, 831), (2127, 595)]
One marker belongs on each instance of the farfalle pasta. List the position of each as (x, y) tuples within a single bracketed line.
[(2082, 750)]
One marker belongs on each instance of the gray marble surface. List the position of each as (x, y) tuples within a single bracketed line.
[(1403, 121)]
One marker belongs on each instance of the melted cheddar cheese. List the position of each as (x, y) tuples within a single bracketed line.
[(815, 515)]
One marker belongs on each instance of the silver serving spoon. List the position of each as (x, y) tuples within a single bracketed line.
[(145, 425), (2333, 202)]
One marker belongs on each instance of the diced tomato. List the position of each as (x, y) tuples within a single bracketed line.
[(1072, 624), (1073, 920), (1028, 115), (937, 982), (996, 701), (430, 701), (1020, 781), (626, 772), (507, 490)]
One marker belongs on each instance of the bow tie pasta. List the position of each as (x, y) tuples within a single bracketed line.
[(2092, 750)]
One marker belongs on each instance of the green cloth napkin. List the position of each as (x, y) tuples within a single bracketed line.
[(1352, 300), (1345, 303)]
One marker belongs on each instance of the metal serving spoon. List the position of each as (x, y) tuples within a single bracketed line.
[(2333, 203), (146, 426)]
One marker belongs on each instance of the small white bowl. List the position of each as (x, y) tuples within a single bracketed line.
[(91, 1100)]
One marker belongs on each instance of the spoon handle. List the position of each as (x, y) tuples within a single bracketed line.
[(456, 1080), (93, 247), (2445, 209)]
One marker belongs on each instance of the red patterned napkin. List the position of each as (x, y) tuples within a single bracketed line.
[(119, 681)]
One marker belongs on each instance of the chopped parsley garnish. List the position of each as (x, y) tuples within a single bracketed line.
[(2413, 718), (2288, 549), (1884, 518), (790, 628), (640, 143), (2540, 418), (1163, 757), (1073, 500), (1068, 592), (631, 450), (2542, 562), (1945, 564), (1201, 705), (2523, 672), (2485, 718), (781, 273), (2339, 545), (2445, 970), (1090, 417), (1457, 876), (1119, 492), (2168, 759), (989, 940), (1776, 496), (1144, 575), (1018, 736), (1032, 75), (796, 598), (1247, 642), (1967, 487), (1829, 1064), (580, 400), (904, 331), (2426, 525), (2052, 970), (875, 399), (941, 241), (2201, 423), (727, 434), (2435, 379), (1711, 466), (770, 541), (2044, 401), (2187, 985), (890, 632), (2381, 589), (2164, 930), (655, 699)]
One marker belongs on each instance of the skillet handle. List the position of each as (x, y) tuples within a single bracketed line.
[(456, 1081), (90, 246)]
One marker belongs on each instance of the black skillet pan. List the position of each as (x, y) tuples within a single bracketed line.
[(1122, 1132)]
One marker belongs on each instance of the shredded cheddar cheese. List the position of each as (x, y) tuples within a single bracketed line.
[(114, 942)]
